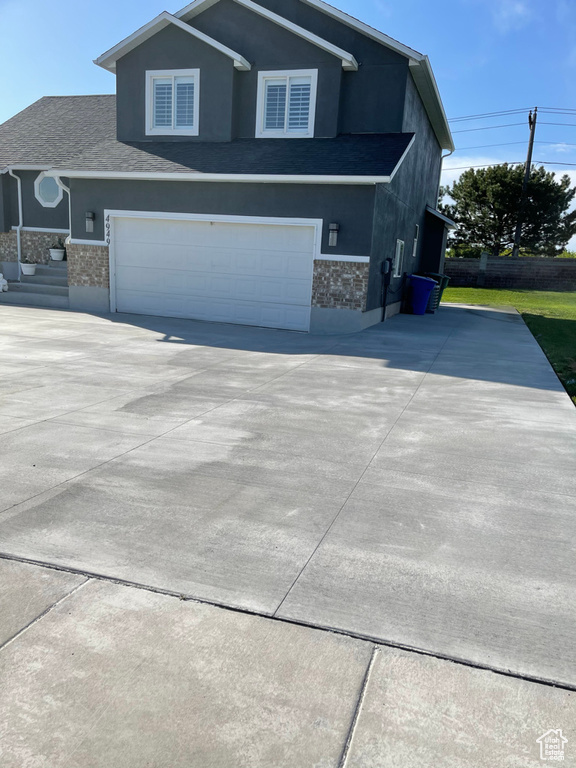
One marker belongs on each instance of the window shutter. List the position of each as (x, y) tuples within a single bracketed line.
[(275, 106), (185, 87), (162, 103), (299, 107)]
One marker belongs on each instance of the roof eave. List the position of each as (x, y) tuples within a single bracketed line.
[(437, 214), (108, 60), (219, 177), (430, 95)]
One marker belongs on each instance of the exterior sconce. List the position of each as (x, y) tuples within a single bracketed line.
[(333, 235), (90, 216)]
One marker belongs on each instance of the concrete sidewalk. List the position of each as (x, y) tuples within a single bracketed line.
[(123, 677), (412, 486)]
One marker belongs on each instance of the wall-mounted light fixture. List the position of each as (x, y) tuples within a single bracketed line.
[(333, 235), (90, 216)]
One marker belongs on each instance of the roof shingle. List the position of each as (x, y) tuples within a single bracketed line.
[(362, 155), (56, 128), (78, 133)]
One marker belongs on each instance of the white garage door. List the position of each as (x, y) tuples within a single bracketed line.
[(251, 274)]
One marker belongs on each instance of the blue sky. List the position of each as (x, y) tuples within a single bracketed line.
[(488, 55)]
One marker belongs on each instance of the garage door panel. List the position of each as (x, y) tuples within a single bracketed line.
[(191, 258), (251, 274), (198, 286), (263, 237)]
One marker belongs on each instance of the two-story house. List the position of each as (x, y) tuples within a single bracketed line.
[(261, 163)]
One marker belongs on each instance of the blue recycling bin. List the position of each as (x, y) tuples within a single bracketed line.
[(422, 288)]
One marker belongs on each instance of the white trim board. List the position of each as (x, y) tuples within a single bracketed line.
[(348, 61), (198, 6), (349, 259), (108, 60), (77, 241), (60, 231), (223, 177)]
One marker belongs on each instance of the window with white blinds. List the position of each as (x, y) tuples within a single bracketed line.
[(172, 102), (286, 104)]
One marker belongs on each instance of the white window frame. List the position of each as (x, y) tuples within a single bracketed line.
[(261, 101), (45, 204), (399, 258), (157, 74)]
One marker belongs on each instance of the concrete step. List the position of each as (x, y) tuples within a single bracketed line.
[(34, 300), (54, 269), (46, 279), (42, 288)]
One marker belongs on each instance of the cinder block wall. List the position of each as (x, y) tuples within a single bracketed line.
[(542, 274)]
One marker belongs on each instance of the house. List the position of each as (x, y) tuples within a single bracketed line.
[(273, 164)]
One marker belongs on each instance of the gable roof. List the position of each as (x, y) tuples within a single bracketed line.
[(348, 60), (362, 158), (199, 6), (419, 63), (56, 128), (108, 60)]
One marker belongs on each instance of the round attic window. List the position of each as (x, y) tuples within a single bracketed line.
[(47, 191)]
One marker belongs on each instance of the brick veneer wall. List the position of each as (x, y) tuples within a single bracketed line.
[(8, 246), (88, 266), (35, 245), (545, 274), (340, 285)]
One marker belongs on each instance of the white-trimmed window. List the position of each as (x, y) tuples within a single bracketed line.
[(173, 102), (399, 258), (286, 105), (47, 191)]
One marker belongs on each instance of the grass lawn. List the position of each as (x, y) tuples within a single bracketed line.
[(551, 316)]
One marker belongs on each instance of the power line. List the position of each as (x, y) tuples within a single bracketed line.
[(505, 162), (487, 146), (567, 125), (488, 165), (489, 127), (515, 143), (488, 114), (552, 162)]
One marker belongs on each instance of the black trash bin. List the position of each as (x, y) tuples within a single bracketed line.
[(438, 292)]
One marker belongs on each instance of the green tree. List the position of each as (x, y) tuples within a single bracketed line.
[(485, 204)]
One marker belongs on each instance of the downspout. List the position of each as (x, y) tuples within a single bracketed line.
[(20, 221), (441, 169), (67, 190)]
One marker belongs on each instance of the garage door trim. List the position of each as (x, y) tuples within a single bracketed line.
[(111, 215)]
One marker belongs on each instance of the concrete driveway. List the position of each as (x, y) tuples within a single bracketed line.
[(413, 485)]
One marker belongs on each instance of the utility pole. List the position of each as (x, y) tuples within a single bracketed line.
[(532, 120)]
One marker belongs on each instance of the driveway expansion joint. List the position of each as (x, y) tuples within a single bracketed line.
[(44, 613), (359, 706), (377, 642)]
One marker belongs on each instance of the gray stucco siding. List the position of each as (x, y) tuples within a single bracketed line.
[(172, 48), (401, 205), (370, 100), (269, 47), (6, 184), (35, 215), (350, 206)]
